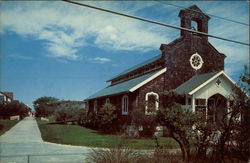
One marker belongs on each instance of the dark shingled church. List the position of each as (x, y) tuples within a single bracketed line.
[(189, 65)]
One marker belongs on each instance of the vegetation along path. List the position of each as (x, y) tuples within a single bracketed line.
[(23, 143)]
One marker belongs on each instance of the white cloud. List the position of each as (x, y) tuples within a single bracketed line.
[(65, 28), (101, 60)]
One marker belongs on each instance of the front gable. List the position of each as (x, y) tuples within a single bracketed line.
[(206, 85), (219, 85)]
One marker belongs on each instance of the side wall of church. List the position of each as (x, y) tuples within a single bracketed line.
[(156, 86)]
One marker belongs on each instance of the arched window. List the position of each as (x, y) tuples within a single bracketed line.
[(152, 102), (125, 105), (87, 106), (95, 106), (107, 101)]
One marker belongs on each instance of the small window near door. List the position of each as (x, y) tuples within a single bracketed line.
[(107, 101), (125, 105), (189, 101), (200, 102)]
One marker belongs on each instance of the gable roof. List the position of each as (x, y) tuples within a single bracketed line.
[(137, 66), (198, 81), (127, 86)]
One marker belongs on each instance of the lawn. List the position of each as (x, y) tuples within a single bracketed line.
[(6, 124), (77, 135)]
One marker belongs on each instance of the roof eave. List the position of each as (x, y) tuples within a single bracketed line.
[(115, 94), (148, 80)]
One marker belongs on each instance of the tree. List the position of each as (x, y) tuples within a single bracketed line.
[(139, 119), (13, 108), (70, 111), (204, 136), (179, 124), (108, 116), (45, 106), (235, 129)]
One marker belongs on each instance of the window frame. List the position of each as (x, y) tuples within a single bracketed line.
[(125, 103), (107, 101), (95, 106), (156, 102)]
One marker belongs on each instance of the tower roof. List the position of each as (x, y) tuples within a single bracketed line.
[(192, 9)]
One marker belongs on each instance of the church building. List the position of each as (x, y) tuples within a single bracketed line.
[(189, 65)]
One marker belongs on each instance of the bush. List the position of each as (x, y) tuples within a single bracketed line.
[(108, 117), (113, 155), (45, 106), (159, 155), (147, 122), (70, 111), (13, 108)]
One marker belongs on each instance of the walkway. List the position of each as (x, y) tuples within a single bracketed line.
[(23, 144)]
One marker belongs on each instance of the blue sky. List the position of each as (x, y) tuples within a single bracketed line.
[(67, 51)]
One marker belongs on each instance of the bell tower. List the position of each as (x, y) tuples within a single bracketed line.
[(190, 54), (193, 15)]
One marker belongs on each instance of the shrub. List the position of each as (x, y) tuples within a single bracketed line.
[(139, 119), (70, 111), (45, 106), (179, 124), (113, 155), (108, 117), (92, 120), (13, 108)]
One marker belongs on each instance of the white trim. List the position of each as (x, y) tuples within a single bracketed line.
[(156, 102), (193, 103), (209, 80), (148, 80), (125, 107), (231, 80)]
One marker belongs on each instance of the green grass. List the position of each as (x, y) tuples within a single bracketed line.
[(77, 135), (6, 124)]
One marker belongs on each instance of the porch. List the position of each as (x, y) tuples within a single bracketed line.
[(211, 94)]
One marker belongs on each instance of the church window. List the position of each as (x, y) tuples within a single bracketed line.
[(107, 101), (87, 106), (218, 82), (189, 101), (125, 105), (200, 102), (152, 103), (95, 106), (196, 61)]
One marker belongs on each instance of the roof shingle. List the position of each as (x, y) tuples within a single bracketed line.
[(137, 66), (122, 87), (194, 82)]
